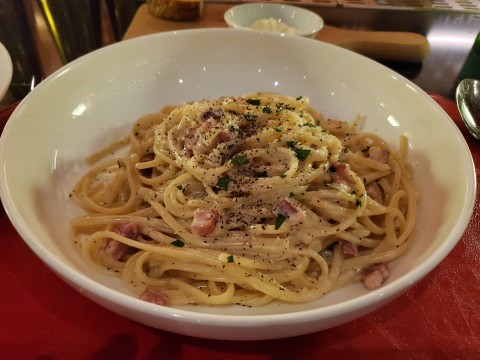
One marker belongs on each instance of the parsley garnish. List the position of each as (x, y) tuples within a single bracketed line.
[(299, 98), (178, 243), (309, 124), (283, 176), (250, 117), (239, 160), (253, 101), (267, 110), (230, 259), (179, 187), (302, 154), (279, 221), (223, 182), (277, 129)]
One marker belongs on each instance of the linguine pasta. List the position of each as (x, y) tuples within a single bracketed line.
[(245, 200)]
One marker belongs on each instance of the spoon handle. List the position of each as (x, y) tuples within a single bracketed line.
[(380, 45)]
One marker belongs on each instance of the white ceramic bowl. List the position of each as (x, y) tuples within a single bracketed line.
[(96, 98), (6, 70), (305, 22)]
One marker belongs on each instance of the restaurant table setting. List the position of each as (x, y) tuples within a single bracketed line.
[(42, 317)]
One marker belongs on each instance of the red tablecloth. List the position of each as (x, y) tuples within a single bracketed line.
[(43, 318)]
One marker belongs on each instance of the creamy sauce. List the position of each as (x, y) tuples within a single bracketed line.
[(273, 25)]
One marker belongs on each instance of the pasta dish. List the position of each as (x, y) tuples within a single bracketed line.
[(245, 200)]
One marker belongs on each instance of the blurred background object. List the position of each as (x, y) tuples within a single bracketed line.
[(18, 38), (43, 35)]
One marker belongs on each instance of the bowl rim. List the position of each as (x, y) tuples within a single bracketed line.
[(229, 16), (90, 285)]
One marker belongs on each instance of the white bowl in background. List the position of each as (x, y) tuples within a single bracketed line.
[(6, 70), (305, 23), (95, 99)]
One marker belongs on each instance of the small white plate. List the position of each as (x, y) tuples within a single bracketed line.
[(275, 17)]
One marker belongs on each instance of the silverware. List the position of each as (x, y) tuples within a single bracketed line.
[(468, 102)]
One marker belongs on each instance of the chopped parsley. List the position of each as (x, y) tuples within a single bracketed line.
[(230, 259), (239, 160), (267, 110), (250, 117), (277, 129), (301, 154), (223, 182), (178, 243), (279, 221), (179, 187), (299, 98)]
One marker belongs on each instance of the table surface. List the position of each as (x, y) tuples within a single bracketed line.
[(41, 317)]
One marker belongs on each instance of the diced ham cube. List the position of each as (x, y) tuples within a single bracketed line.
[(375, 275), (373, 192), (378, 154), (128, 230), (204, 221), (209, 125), (154, 296), (293, 213), (213, 113), (341, 177), (349, 249), (117, 249)]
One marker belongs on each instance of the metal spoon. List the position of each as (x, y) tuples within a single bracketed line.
[(468, 102)]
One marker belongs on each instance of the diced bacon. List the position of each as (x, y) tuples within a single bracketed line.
[(375, 275), (340, 174), (293, 213), (154, 296), (209, 125), (223, 137), (212, 113), (128, 230), (378, 154), (117, 249), (204, 221), (372, 192), (349, 249)]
